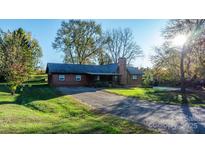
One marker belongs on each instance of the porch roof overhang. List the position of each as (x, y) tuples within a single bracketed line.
[(90, 73)]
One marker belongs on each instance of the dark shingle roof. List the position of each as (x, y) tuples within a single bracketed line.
[(134, 71), (82, 69)]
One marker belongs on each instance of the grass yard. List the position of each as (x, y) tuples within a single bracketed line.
[(161, 96), (41, 109)]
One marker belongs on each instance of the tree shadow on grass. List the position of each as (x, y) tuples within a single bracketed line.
[(38, 92), (29, 94), (175, 97)]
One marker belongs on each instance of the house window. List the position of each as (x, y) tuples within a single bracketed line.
[(98, 78), (61, 77), (115, 78), (78, 78), (134, 77)]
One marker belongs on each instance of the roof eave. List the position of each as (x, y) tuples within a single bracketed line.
[(102, 73)]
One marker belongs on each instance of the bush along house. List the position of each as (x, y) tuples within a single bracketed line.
[(117, 74)]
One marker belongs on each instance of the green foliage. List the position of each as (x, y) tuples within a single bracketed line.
[(166, 64), (36, 52), (167, 57), (1, 59), (194, 58), (103, 58), (19, 56), (81, 41), (148, 78)]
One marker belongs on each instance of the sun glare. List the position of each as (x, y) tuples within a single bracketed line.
[(179, 40)]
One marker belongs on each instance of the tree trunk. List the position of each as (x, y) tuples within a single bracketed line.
[(182, 79), (13, 92)]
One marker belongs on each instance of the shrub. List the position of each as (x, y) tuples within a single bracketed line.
[(2, 79), (147, 79)]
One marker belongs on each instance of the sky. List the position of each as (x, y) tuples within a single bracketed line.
[(147, 34)]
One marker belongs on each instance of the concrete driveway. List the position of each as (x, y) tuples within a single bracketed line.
[(162, 117)]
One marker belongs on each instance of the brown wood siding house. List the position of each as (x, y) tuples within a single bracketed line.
[(87, 75)]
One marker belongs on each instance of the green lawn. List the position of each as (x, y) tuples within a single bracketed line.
[(41, 109), (160, 96)]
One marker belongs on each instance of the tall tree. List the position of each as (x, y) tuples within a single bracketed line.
[(193, 29), (121, 44), (103, 58), (1, 58), (166, 63), (190, 27), (80, 41), (1, 63), (19, 56), (36, 51)]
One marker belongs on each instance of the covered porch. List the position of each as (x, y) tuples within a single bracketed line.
[(103, 79)]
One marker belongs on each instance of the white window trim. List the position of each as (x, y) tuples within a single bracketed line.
[(115, 78), (61, 77), (77, 77), (134, 77), (98, 78)]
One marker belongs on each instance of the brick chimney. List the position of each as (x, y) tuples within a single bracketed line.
[(122, 70)]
